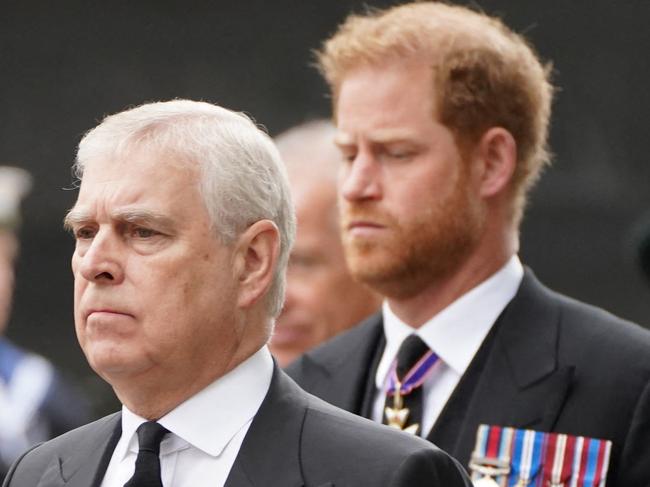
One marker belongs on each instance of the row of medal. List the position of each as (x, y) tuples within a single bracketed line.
[(509, 457)]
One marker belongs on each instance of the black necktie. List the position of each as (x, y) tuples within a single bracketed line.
[(147, 465), (410, 352)]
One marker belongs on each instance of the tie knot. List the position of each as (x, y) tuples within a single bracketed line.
[(150, 434), (410, 352)]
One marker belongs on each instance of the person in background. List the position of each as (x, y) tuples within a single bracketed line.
[(35, 403), (183, 226), (442, 115), (321, 298)]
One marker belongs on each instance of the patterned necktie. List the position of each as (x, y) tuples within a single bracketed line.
[(147, 465), (403, 407)]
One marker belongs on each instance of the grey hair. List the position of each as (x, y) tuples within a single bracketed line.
[(242, 177)]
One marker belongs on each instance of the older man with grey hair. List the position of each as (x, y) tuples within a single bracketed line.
[(183, 226), (322, 298)]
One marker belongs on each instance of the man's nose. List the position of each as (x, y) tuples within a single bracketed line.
[(102, 262), (359, 180)]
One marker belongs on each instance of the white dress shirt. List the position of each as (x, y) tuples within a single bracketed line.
[(454, 334), (206, 431)]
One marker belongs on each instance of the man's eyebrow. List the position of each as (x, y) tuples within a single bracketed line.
[(75, 217), (141, 216), (138, 216), (380, 136)]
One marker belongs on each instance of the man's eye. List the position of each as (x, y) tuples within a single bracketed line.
[(144, 232), (348, 155), (400, 154), (84, 233)]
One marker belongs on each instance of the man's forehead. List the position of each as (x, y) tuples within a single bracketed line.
[(135, 158)]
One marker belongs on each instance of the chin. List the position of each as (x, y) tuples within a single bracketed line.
[(370, 269), (111, 361)]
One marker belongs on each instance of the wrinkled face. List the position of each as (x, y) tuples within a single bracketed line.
[(321, 297), (154, 291), (409, 208), (7, 256)]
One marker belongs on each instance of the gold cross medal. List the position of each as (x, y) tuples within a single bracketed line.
[(397, 415)]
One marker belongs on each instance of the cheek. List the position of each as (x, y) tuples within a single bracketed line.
[(79, 288), (193, 296), (80, 329)]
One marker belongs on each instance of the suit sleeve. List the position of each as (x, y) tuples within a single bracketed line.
[(430, 468), (634, 466)]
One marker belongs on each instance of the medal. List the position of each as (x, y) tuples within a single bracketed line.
[(397, 415), (522, 458), (487, 469), (486, 482)]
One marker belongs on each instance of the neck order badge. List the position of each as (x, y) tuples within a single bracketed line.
[(509, 457), (398, 387)]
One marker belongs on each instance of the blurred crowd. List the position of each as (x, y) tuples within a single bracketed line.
[(36, 402)]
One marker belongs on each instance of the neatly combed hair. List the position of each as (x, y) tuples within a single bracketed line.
[(484, 75), (242, 178)]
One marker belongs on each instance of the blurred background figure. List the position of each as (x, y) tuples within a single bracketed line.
[(321, 299), (35, 404)]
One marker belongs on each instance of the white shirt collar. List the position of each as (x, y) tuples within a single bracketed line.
[(212, 417), (455, 333)]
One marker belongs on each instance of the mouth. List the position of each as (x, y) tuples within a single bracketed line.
[(106, 312), (360, 228)]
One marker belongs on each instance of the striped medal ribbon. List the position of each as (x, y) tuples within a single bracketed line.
[(509, 457), (397, 415), (414, 378)]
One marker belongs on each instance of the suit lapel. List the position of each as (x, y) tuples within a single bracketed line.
[(514, 380), (270, 453), (87, 464), (343, 372)]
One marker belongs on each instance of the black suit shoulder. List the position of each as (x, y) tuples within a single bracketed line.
[(605, 349), (595, 327), (29, 468), (348, 450)]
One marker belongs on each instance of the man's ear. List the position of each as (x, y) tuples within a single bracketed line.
[(256, 257), (497, 152)]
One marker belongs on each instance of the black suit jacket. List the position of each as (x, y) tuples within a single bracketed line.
[(549, 363), (295, 440)]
